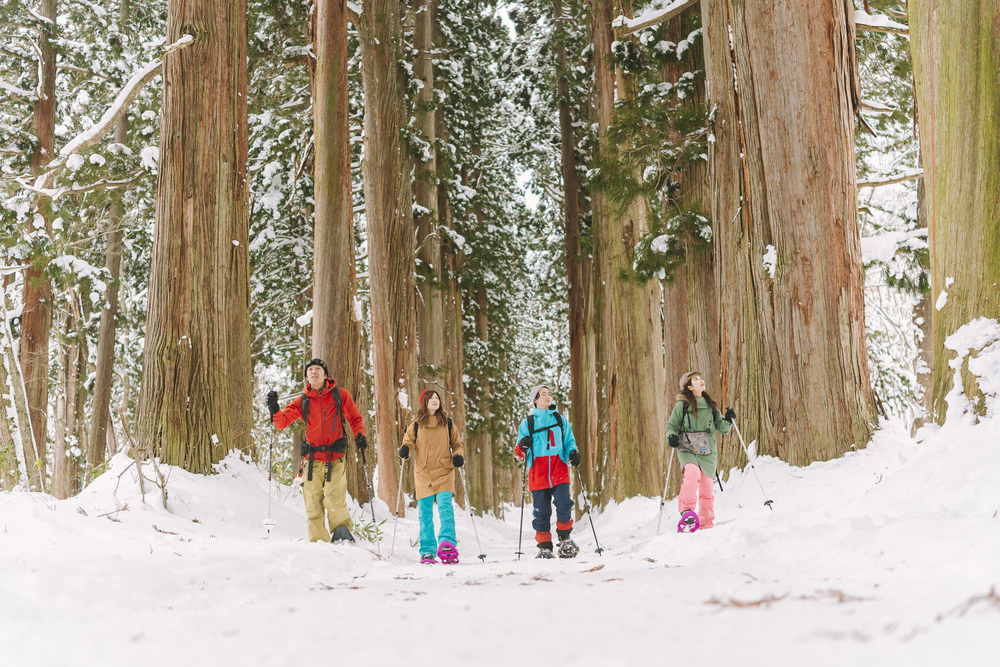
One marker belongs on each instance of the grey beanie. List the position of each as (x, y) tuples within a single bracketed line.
[(686, 379), (534, 393)]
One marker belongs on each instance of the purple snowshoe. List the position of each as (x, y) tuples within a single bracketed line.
[(428, 559), (447, 552), (688, 523)]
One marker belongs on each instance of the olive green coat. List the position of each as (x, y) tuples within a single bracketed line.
[(433, 470), (703, 421)]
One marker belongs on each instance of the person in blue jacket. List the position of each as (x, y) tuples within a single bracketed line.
[(547, 445)]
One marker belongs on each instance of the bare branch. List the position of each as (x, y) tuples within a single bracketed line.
[(892, 180)]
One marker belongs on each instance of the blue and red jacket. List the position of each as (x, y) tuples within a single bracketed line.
[(550, 448)]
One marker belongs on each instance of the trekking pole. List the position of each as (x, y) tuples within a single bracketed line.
[(663, 499), (472, 517), (520, 528), (268, 522), (371, 495), (747, 451), (399, 500), (586, 506)]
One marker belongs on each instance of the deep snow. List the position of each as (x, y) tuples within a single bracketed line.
[(888, 554)]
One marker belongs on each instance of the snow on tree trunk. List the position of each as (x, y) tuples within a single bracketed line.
[(36, 318), (956, 53), (18, 455), (389, 211), (336, 331), (794, 360), (633, 339), (195, 403), (579, 272), (104, 374)]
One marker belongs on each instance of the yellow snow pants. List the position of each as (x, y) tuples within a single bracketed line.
[(325, 500)]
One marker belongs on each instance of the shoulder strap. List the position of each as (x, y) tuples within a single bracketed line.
[(415, 427), (449, 431), (305, 409), (531, 425)]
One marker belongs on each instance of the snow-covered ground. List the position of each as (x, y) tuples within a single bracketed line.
[(889, 555)]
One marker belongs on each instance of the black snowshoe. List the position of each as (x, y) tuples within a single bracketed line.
[(342, 535), (544, 553), (568, 549)]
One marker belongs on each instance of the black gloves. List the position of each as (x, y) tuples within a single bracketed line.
[(674, 441), (457, 461), (272, 403), (730, 415), (404, 452), (361, 441), (525, 444), (574, 458)]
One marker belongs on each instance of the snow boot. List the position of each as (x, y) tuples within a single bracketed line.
[(342, 534), (688, 523), (428, 559), (447, 552), (568, 549), (544, 553)]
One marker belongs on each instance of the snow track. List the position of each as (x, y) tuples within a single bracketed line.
[(889, 554)]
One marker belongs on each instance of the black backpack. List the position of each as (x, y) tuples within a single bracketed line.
[(559, 423), (339, 445)]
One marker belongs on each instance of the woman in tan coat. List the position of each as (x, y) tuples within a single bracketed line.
[(437, 451)]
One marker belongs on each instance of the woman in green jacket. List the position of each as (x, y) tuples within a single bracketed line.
[(691, 430)]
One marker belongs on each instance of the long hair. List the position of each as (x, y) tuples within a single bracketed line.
[(423, 414), (688, 395)]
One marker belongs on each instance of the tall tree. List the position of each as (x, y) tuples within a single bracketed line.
[(336, 331), (36, 320), (431, 304), (389, 211), (579, 261), (632, 339), (958, 100), (17, 445), (104, 373), (794, 360), (195, 403)]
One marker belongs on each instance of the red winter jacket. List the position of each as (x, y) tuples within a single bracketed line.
[(324, 427)]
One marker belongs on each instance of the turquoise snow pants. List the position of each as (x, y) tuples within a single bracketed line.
[(446, 513)]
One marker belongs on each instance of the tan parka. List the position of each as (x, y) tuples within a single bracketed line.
[(433, 471)]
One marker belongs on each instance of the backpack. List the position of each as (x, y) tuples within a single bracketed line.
[(340, 445), (559, 423), (416, 426), (700, 443)]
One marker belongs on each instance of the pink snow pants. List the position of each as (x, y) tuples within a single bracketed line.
[(698, 488)]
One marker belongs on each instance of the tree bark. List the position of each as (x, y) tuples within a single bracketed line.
[(336, 330), (36, 318), (17, 446), (579, 272), (958, 95), (794, 359), (104, 377), (431, 301), (635, 360), (195, 403), (389, 211)]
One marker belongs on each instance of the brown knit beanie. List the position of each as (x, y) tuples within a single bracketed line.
[(686, 379)]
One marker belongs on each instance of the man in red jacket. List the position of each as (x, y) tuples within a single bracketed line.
[(324, 407)]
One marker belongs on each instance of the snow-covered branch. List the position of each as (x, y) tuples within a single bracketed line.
[(878, 23), (892, 180), (354, 11), (117, 109), (874, 108), (651, 17)]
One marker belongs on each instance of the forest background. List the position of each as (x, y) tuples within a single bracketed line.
[(797, 199)]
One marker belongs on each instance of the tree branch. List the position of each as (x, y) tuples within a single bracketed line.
[(878, 23), (117, 109), (354, 11), (892, 180), (627, 26)]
